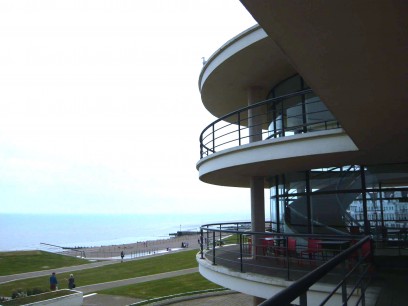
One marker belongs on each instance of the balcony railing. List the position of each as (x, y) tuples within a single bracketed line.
[(343, 261), (286, 115)]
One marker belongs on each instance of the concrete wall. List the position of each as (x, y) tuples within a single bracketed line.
[(74, 299)]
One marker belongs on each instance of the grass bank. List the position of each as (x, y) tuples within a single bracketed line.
[(127, 269), (163, 287), (29, 261)]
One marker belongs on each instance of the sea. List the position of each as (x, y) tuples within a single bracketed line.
[(50, 232)]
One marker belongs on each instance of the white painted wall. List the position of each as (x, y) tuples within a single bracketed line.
[(74, 299)]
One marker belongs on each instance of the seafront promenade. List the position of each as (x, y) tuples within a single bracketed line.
[(100, 255), (137, 249), (91, 298)]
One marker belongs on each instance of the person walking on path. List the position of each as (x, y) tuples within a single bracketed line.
[(53, 282), (71, 282), (122, 254)]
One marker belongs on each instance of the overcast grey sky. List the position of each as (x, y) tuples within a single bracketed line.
[(99, 105)]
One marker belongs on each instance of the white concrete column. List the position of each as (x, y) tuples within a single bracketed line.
[(256, 116), (255, 119), (257, 209), (257, 219)]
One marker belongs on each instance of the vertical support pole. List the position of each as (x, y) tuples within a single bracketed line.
[(381, 206), (364, 196), (239, 128), (277, 205), (201, 243), (208, 240), (257, 210), (274, 115), (237, 231), (363, 295), (255, 115), (361, 270), (201, 146), (220, 234), (283, 115), (255, 121), (213, 248), (241, 253), (213, 138), (303, 299), (304, 118), (309, 204), (287, 258), (344, 285)]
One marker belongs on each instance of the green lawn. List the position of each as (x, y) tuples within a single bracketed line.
[(28, 261), (163, 287), (127, 269)]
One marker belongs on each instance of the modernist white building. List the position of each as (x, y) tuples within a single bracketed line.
[(312, 106)]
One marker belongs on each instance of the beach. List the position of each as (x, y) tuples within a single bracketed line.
[(137, 249), (50, 232)]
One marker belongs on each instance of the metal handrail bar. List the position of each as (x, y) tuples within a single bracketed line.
[(294, 94), (210, 130), (273, 232), (292, 128), (301, 286), (346, 277), (359, 281), (323, 236), (212, 247), (239, 122), (296, 127)]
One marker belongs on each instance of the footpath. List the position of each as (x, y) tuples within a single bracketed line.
[(93, 299), (15, 277)]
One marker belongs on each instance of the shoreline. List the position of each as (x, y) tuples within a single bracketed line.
[(136, 249)]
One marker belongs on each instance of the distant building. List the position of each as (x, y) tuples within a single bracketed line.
[(387, 210)]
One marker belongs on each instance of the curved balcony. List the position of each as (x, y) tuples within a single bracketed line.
[(297, 113), (263, 264), (228, 72)]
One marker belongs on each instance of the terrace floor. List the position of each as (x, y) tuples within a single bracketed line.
[(388, 272)]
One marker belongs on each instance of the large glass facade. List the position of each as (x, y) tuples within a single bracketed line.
[(349, 199), (338, 200), (298, 114)]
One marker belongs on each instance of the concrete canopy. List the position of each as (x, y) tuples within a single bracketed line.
[(249, 59), (354, 55)]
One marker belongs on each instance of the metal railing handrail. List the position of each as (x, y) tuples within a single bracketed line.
[(208, 227), (287, 96), (241, 123), (301, 286), (213, 248)]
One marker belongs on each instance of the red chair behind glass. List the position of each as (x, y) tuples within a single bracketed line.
[(313, 252)]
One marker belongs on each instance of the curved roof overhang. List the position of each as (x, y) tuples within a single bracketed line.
[(250, 59), (354, 55)]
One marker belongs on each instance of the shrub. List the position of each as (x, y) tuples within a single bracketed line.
[(21, 293), (18, 294), (34, 291)]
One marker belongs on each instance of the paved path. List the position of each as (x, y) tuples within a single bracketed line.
[(96, 264), (229, 298), (91, 299), (108, 300), (14, 277)]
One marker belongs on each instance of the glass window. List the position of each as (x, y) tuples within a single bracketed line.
[(296, 114)]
